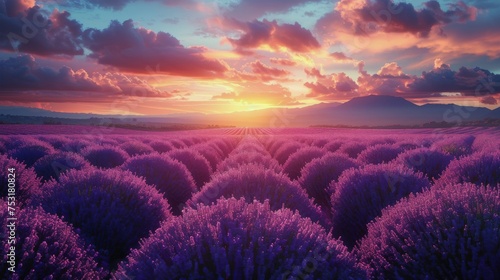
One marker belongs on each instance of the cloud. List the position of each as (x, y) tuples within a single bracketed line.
[(270, 34), (389, 80), (263, 70), (282, 62), (252, 9), (467, 81), (37, 31), (340, 56), (114, 4), (330, 87), (259, 93), (367, 17), (23, 74), (489, 100), (136, 50)]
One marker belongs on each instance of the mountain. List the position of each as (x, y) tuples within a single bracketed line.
[(374, 102), (373, 110)]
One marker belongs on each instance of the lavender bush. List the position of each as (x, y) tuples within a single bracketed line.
[(177, 143), (236, 240), (136, 147), (478, 168), (299, 159), (104, 156), (456, 146), (257, 182), (53, 165), (317, 175), (112, 209), (55, 141), (361, 194), (353, 148), (161, 146), (333, 146), (26, 182), (237, 160), (450, 233), (46, 248), (428, 161), (209, 153), (30, 153), (170, 177), (196, 164), (286, 150), (380, 153)]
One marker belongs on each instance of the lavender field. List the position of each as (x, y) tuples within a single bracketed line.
[(251, 203)]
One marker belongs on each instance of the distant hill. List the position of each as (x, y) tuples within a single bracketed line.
[(373, 110)]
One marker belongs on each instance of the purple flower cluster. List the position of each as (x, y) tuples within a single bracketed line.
[(361, 194), (430, 162), (46, 248), (294, 164), (197, 165), (478, 168), (105, 156), (449, 233), (53, 165), (112, 209), (257, 182), (236, 240), (29, 153), (380, 153), (168, 176), (317, 175), (27, 184)]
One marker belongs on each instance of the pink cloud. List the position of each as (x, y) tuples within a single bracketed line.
[(263, 33), (52, 34), (330, 87), (139, 50), (24, 76), (283, 62)]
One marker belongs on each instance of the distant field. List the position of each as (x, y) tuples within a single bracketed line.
[(252, 203)]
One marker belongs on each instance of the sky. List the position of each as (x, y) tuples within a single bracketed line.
[(178, 56)]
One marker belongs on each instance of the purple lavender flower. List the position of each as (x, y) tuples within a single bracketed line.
[(286, 150), (112, 209), (361, 194), (196, 164), (449, 233), (239, 159), (478, 168), (105, 156), (168, 176), (236, 240), (161, 146), (317, 175), (428, 161), (26, 182), (53, 165), (29, 153), (456, 146), (252, 182), (46, 248), (353, 149), (380, 153), (299, 159), (135, 147)]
